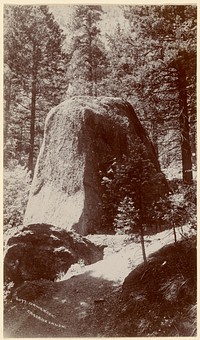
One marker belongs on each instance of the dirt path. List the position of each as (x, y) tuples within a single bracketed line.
[(84, 305), (79, 307)]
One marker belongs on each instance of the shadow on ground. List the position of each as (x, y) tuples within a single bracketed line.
[(80, 306), (156, 299)]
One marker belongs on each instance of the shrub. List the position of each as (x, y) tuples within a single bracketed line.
[(131, 187), (180, 207), (16, 189)]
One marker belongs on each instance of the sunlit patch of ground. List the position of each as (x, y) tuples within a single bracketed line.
[(122, 255)]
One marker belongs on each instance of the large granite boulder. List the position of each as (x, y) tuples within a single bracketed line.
[(83, 137), (43, 252)]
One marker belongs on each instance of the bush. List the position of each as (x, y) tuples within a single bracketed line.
[(181, 205), (131, 187), (16, 190), (159, 298)]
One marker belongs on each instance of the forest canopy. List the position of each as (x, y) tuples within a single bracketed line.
[(145, 54)]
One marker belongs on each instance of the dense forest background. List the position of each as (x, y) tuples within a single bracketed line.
[(147, 56), (144, 54)]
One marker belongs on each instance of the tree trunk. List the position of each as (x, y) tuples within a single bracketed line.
[(140, 210), (174, 231), (90, 76), (7, 116), (33, 107), (142, 243), (95, 82), (32, 128), (7, 108), (184, 126)]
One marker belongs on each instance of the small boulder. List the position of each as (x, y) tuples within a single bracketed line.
[(41, 251)]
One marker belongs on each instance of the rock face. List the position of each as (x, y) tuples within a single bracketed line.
[(83, 136), (44, 251)]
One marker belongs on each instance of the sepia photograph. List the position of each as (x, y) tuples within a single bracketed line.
[(99, 170)]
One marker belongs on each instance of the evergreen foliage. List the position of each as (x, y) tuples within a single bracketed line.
[(154, 66), (87, 64), (149, 59), (133, 187), (132, 190), (16, 190), (34, 77)]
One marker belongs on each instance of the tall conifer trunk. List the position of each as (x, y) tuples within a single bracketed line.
[(7, 114), (32, 129), (141, 216), (33, 113), (183, 106), (36, 63), (184, 125), (142, 243)]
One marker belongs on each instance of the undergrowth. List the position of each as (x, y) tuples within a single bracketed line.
[(17, 183), (159, 299)]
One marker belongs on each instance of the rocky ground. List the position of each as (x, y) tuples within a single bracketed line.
[(91, 301)]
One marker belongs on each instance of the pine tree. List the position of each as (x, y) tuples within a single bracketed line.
[(147, 64), (133, 187), (125, 220), (33, 54), (168, 34), (86, 67)]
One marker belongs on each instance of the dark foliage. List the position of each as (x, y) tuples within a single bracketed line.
[(159, 298)]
